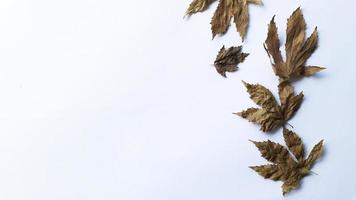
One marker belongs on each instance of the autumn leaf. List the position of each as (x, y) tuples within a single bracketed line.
[(198, 6), (286, 167), (226, 10), (228, 59), (298, 50), (271, 115)]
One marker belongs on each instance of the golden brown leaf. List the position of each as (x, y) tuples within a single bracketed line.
[(228, 9), (273, 152), (284, 167), (268, 120), (291, 184), (273, 44), (273, 172), (257, 2), (294, 144), (241, 18), (222, 16), (298, 50), (198, 6), (314, 154), (228, 59), (290, 102), (271, 115), (261, 96), (312, 70)]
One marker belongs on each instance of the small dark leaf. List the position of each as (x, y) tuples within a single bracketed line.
[(228, 59)]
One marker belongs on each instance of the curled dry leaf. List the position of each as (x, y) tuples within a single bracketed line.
[(226, 10), (287, 168), (271, 115), (298, 50), (228, 59)]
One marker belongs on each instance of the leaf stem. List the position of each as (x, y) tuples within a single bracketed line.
[(290, 125)]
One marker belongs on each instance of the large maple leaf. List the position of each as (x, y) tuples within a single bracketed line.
[(298, 50), (271, 115), (287, 168)]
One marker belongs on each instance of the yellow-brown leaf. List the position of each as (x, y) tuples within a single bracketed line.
[(272, 46), (312, 70), (273, 152), (267, 119), (261, 96), (198, 6), (271, 171), (241, 18), (291, 184), (228, 9), (284, 167), (298, 50), (295, 38), (294, 144), (314, 154), (272, 115)]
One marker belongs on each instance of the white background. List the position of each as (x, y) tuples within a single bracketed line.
[(118, 100)]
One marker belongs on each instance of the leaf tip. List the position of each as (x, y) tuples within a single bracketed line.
[(272, 20), (247, 85), (237, 113), (252, 167), (254, 142)]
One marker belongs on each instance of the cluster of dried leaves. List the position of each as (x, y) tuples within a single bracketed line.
[(286, 167), (228, 59), (298, 50), (226, 10), (288, 164)]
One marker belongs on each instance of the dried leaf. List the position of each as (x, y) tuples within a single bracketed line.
[(290, 102), (311, 70), (226, 10), (274, 172), (315, 154), (228, 59), (273, 152), (284, 167), (267, 119), (198, 6), (257, 2), (298, 50), (271, 115), (294, 144)]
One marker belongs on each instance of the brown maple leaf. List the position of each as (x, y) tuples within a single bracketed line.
[(298, 50), (287, 168), (198, 6), (226, 10), (228, 59), (271, 115)]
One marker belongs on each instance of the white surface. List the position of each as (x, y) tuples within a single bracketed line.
[(104, 99)]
